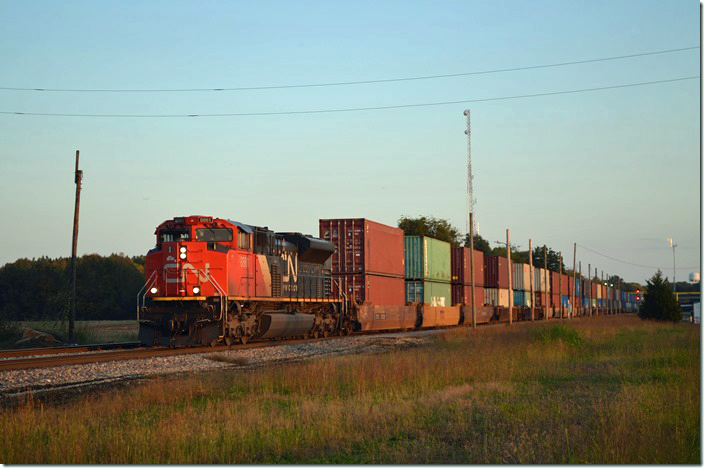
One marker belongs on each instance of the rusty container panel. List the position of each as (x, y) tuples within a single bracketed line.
[(495, 272), (555, 300), (599, 291), (462, 295), (440, 316), (371, 289), (566, 280), (462, 267), (457, 265), (364, 246), (540, 299), (373, 317)]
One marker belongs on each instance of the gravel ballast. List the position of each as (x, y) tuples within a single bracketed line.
[(16, 383)]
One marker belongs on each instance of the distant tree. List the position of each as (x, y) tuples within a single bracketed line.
[(480, 244), (659, 302), (432, 227), (553, 259)]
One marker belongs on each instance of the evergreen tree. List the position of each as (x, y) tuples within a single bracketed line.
[(659, 302)]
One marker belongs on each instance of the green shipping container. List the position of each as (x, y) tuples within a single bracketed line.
[(427, 258), (429, 292)]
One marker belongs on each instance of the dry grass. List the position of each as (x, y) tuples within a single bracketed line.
[(605, 390)]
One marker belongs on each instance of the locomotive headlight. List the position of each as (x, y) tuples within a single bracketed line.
[(196, 289), (153, 290), (183, 249), (182, 255)]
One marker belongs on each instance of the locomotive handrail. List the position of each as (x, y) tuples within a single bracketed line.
[(341, 292), (223, 299), (144, 288)]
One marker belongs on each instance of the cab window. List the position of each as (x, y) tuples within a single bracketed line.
[(213, 235), (243, 240), (174, 236)]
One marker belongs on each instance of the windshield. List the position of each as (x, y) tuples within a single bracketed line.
[(213, 235), (174, 236)]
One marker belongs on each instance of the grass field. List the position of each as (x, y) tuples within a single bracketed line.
[(602, 390)]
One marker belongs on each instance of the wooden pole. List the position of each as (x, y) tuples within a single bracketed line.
[(78, 177), (532, 277), (510, 275), (559, 282), (471, 269), (548, 291), (574, 280), (581, 297), (590, 289)]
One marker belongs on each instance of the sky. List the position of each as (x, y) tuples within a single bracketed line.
[(616, 171)]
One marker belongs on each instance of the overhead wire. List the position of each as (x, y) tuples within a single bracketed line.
[(633, 264), (348, 83), (352, 109)]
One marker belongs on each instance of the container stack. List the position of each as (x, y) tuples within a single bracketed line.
[(495, 281), (462, 278), (367, 265), (541, 287), (427, 271), (521, 284)]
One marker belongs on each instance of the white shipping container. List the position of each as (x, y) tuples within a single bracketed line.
[(541, 281), (491, 296), (526, 277), (517, 276), (503, 297)]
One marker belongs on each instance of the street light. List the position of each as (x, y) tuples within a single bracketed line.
[(674, 268)]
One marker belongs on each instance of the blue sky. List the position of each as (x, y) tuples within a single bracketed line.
[(617, 171)]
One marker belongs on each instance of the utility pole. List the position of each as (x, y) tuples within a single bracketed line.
[(559, 281), (510, 277), (548, 290), (590, 289), (532, 277), (574, 279), (471, 269), (72, 317), (674, 266), (470, 191)]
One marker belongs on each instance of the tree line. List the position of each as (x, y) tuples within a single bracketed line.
[(40, 289)]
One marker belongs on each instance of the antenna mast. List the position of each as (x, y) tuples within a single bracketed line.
[(470, 193)]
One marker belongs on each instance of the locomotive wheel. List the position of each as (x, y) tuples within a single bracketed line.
[(214, 343)]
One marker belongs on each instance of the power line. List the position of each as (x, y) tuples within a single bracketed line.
[(349, 83), (633, 264), (352, 109)]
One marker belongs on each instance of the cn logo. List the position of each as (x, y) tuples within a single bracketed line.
[(203, 276)]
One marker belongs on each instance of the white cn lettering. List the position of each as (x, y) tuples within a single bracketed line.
[(291, 268)]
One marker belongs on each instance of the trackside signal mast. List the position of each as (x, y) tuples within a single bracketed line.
[(470, 193)]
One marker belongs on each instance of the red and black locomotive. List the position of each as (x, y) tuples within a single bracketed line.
[(212, 280)]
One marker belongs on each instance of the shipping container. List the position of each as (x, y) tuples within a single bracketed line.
[(462, 294), (599, 291), (386, 317), (521, 298), (371, 289), (427, 259), (495, 272), (461, 266), (521, 277), (428, 292), (540, 299), (542, 280), (364, 246)]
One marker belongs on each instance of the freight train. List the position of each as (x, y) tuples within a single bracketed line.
[(213, 280)]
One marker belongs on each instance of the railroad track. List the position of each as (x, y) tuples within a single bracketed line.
[(58, 356), (15, 353)]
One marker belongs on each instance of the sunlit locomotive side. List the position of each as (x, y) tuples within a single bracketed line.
[(212, 280)]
